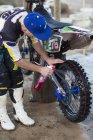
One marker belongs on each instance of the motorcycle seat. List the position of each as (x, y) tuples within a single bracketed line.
[(54, 24)]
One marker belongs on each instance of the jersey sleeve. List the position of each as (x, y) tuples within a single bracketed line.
[(13, 50)]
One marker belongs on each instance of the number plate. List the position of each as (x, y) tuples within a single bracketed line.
[(53, 44)]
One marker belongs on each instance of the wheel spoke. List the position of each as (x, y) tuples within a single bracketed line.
[(75, 104), (67, 77)]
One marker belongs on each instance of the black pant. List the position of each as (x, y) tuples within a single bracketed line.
[(10, 75)]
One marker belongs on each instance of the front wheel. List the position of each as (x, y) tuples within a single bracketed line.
[(77, 103)]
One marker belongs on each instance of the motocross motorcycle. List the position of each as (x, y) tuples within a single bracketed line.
[(72, 87)]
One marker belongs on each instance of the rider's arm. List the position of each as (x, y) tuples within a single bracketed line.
[(29, 66), (14, 52)]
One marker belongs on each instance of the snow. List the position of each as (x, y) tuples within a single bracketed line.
[(4, 8)]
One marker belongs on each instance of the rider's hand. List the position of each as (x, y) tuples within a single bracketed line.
[(52, 61), (45, 71)]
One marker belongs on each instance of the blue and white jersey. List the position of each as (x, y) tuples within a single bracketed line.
[(10, 29), (9, 24)]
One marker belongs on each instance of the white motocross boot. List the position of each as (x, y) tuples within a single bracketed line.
[(20, 114), (6, 123)]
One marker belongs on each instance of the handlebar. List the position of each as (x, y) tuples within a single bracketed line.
[(30, 3), (35, 1)]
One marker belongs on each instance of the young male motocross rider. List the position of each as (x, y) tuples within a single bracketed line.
[(13, 24)]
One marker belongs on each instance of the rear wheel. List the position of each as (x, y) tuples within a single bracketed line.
[(77, 102)]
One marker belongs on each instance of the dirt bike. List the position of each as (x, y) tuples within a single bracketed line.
[(72, 87)]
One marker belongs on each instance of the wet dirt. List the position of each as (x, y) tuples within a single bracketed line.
[(50, 125)]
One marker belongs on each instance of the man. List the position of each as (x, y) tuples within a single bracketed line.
[(13, 24)]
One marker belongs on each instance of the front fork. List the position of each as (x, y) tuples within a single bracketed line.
[(60, 93)]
